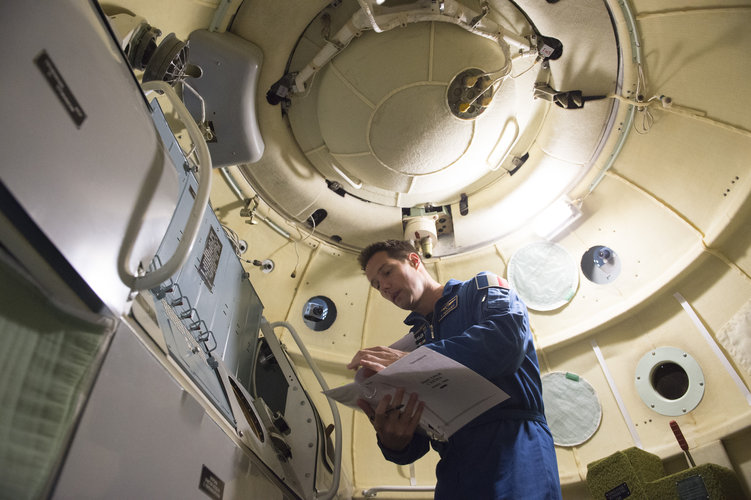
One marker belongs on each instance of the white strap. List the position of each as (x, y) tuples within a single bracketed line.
[(616, 394), (718, 352)]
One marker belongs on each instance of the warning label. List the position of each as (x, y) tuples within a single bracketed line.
[(209, 264), (210, 484)]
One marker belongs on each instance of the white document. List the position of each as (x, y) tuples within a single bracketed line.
[(406, 343), (453, 394)]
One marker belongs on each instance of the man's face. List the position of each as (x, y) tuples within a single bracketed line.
[(398, 280)]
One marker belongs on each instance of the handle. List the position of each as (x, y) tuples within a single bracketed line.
[(682, 442), (346, 177), (679, 435), (331, 492), (190, 233)]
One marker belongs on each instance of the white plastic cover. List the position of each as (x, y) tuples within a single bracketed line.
[(544, 275), (572, 408)]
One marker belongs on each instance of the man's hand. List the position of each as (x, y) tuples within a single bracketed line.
[(375, 359), (394, 423)]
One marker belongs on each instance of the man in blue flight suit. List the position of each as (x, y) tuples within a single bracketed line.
[(505, 453)]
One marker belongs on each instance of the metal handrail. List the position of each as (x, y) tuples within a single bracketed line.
[(329, 494), (371, 492), (190, 233)]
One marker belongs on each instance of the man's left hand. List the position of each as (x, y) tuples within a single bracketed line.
[(375, 359)]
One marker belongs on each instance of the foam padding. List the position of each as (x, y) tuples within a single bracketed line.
[(647, 465), (720, 482), (623, 470)]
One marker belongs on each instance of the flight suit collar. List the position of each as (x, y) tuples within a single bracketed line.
[(423, 327), (415, 318)]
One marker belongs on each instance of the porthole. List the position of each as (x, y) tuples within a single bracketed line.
[(601, 265), (669, 381), (319, 313)]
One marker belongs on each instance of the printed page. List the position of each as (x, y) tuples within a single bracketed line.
[(453, 394), (406, 343)]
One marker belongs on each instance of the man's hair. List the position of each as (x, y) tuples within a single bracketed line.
[(396, 249)]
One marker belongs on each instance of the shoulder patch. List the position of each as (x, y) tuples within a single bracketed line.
[(419, 335), (490, 280), (448, 307)]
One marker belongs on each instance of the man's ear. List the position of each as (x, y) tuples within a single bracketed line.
[(414, 259)]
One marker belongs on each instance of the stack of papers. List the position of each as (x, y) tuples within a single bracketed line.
[(453, 394)]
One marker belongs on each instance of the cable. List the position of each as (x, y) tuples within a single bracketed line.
[(505, 67), (643, 106), (492, 84), (526, 16), (308, 86), (507, 74), (312, 231), (647, 119), (507, 71), (234, 239), (297, 259), (294, 245), (537, 59)]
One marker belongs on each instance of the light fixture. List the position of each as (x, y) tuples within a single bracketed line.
[(555, 218)]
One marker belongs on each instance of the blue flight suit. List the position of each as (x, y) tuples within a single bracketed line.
[(507, 452)]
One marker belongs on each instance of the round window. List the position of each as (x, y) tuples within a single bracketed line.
[(319, 313), (601, 265), (669, 381)]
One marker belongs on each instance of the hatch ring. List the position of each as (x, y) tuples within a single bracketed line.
[(669, 381)]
